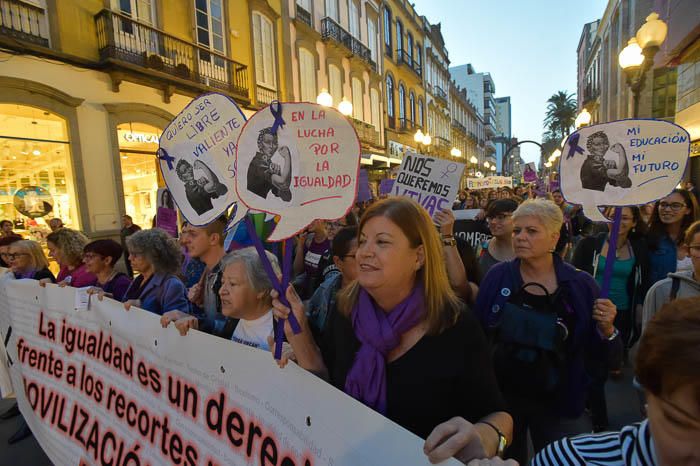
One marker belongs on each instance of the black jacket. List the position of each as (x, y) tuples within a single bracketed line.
[(586, 257)]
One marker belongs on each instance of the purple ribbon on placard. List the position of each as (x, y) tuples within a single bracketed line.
[(573, 146), (281, 287), (163, 155), (277, 113), (612, 254)]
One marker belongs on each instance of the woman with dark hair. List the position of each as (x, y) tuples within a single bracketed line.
[(99, 257), (66, 247), (667, 374), (264, 175), (671, 217), (5, 242), (597, 172), (166, 199), (402, 342), (157, 256), (500, 247), (628, 286)]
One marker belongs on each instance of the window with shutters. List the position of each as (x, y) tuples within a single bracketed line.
[(420, 112), (387, 32), (209, 19), (402, 103), (409, 47), (264, 49), (357, 110), (390, 96), (374, 103), (332, 9), (354, 18), (412, 106), (372, 39), (399, 37), (307, 75), (335, 82)]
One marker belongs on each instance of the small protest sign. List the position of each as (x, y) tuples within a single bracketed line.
[(432, 182), (299, 161), (627, 162), (489, 182), (197, 157), (530, 172), (166, 215), (386, 185), (473, 232), (363, 191)]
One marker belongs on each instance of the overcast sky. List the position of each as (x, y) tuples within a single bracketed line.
[(528, 46)]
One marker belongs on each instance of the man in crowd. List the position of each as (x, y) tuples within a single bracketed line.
[(128, 229), (6, 229)]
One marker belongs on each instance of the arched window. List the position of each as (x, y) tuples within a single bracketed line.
[(335, 83), (399, 38), (264, 51), (357, 99), (409, 47), (420, 112), (390, 100), (374, 104), (387, 31), (402, 104), (412, 106)]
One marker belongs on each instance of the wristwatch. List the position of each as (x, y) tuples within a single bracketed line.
[(448, 240), (502, 440)]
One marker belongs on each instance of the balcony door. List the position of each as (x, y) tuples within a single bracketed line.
[(136, 36), (209, 20)]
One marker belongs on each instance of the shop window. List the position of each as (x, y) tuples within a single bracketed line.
[(138, 144), (35, 152)]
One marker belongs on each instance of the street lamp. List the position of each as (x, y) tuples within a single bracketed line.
[(583, 118), (487, 164), (474, 161), (455, 152), (345, 107), (324, 98), (638, 56), (418, 137), (493, 168), (427, 140)]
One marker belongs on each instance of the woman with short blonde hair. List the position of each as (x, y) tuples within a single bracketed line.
[(402, 342), (28, 260)]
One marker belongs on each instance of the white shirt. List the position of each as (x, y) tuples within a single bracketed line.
[(254, 332)]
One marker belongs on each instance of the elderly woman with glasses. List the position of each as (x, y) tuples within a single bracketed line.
[(541, 370), (157, 257), (245, 302), (402, 342), (27, 260), (667, 374), (672, 215)]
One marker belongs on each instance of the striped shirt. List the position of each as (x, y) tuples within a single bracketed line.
[(632, 446)]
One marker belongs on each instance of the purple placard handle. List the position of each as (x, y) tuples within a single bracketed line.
[(612, 254)]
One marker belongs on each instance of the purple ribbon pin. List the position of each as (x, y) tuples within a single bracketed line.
[(163, 155), (573, 146), (276, 109)]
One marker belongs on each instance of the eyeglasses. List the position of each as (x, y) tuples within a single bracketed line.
[(499, 217), (674, 206), (15, 255)]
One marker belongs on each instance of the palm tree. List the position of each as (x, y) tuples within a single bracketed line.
[(561, 114)]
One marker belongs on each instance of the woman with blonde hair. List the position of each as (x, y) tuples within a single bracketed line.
[(402, 342), (545, 320), (27, 260), (66, 247)]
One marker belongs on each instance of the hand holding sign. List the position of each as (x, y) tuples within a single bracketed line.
[(197, 157), (303, 170), (628, 162)]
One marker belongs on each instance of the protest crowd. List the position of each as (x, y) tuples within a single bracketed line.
[(495, 350)]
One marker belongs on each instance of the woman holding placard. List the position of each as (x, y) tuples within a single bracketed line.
[(402, 342), (66, 247), (27, 260), (671, 217), (545, 319)]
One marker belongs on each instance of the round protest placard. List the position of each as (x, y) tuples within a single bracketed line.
[(197, 157), (299, 161)]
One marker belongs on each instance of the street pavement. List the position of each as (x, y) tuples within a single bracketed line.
[(623, 407)]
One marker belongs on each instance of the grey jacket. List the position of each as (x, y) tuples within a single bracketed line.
[(660, 293)]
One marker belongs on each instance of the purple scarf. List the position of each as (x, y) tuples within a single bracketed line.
[(27, 274), (379, 332)]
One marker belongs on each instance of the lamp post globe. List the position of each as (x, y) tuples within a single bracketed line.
[(631, 57), (583, 118), (324, 98), (474, 160), (652, 33), (418, 137), (427, 140)]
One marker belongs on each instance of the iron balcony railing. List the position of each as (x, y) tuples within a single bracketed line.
[(441, 143), (24, 22), (332, 30), (406, 124), (122, 39), (264, 95), (366, 132), (459, 126), (405, 58), (440, 93), (303, 15)]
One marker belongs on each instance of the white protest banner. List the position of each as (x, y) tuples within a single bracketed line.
[(432, 182), (197, 157), (490, 182), (108, 386), (627, 162), (299, 161)]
